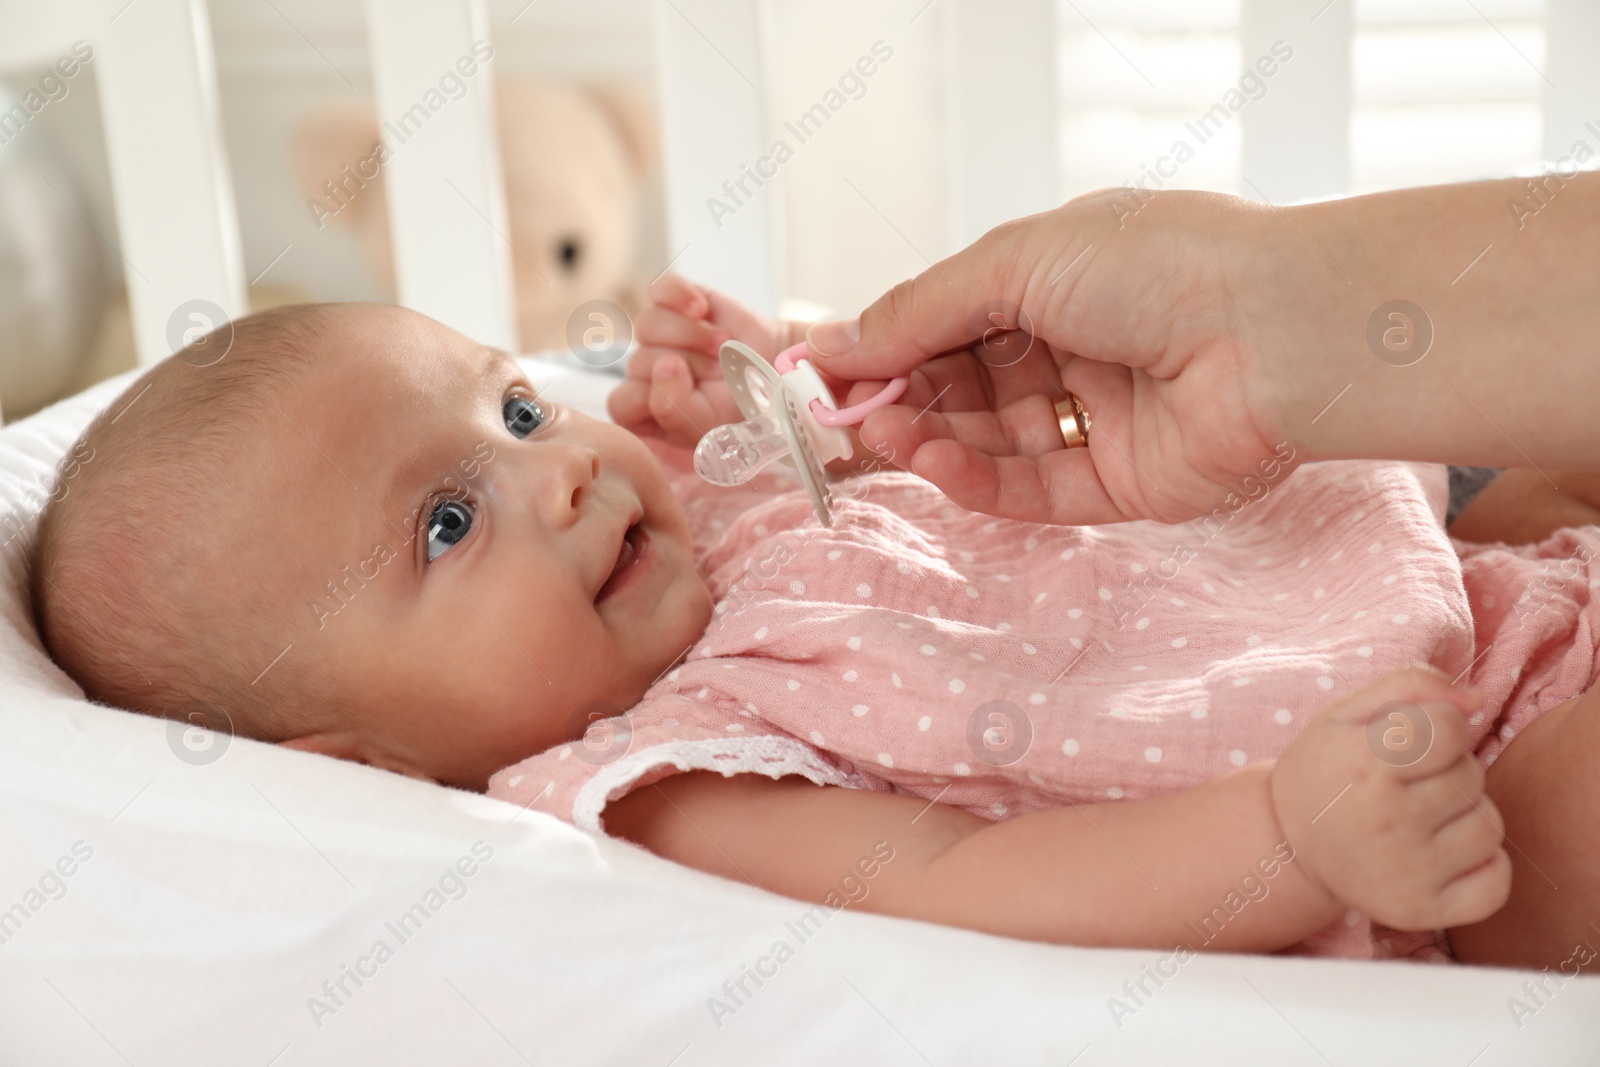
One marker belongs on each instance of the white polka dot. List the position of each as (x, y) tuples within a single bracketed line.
[(1262, 561), (1374, 547), (962, 769), (1401, 619), (998, 808), (927, 650), (1208, 587), (903, 567), (853, 643), (1477, 719), (1302, 563), (1283, 717), (1002, 577), (1179, 642), (817, 738), (1243, 679), (1069, 553), (1069, 747), (1030, 544), (705, 691), (1280, 596), (851, 675), (734, 727), (1199, 712), (863, 589), (1153, 754), (514, 780), (718, 524), (1029, 649), (1364, 651), (990, 527), (977, 656), (1139, 667), (859, 710), (1507, 733), (1074, 613), (835, 554), (1040, 598), (797, 587), (722, 606), (1036, 698), (924, 723), (1137, 568), (1115, 792), (761, 531), (673, 676), (903, 625), (1324, 642), (792, 684), (1324, 682), (1319, 520), (933, 611), (1325, 616), (1142, 623), (1318, 594), (972, 592), (957, 685), (1178, 602), (761, 634), (1352, 918), (1105, 594), (1237, 757), (968, 557), (1391, 579), (1075, 642), (1002, 626), (1035, 779), (1253, 640), (895, 678), (886, 759), (1336, 555)]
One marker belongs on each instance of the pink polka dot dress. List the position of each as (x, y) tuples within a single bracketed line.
[(1002, 667)]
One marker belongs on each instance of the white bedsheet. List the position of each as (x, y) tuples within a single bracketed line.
[(217, 899)]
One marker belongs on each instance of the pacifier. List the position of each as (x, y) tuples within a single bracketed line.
[(790, 415)]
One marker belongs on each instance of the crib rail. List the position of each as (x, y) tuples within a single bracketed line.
[(177, 230)]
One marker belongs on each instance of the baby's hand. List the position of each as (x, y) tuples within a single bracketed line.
[(674, 387), (1383, 802)]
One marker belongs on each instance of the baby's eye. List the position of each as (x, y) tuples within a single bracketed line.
[(449, 523), (523, 415)]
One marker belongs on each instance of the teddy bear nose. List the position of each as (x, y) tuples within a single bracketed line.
[(569, 251)]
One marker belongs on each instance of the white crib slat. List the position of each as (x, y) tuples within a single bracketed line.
[(1572, 85), (713, 93), (447, 204), (1004, 140), (1296, 138), (177, 226)]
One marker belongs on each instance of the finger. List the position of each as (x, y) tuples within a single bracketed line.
[(629, 406), (683, 413), (937, 311), (1446, 796), (662, 327), (1057, 487), (1466, 841), (1437, 728), (1477, 894), (642, 366), (675, 291)]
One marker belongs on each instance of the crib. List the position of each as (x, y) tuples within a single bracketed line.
[(172, 899)]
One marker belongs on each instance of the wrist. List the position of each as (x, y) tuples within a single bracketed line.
[(1301, 860)]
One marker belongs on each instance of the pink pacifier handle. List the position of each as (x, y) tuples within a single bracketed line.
[(844, 416)]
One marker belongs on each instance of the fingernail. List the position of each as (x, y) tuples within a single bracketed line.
[(834, 338)]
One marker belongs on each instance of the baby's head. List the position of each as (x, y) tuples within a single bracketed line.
[(362, 534)]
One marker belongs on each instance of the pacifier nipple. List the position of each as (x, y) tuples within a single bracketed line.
[(735, 453)]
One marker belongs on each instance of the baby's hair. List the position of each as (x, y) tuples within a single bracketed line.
[(117, 569)]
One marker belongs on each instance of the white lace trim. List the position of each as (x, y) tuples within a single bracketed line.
[(774, 757)]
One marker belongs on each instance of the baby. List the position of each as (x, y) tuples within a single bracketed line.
[(359, 533)]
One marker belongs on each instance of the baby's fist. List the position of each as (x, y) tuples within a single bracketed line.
[(1384, 803)]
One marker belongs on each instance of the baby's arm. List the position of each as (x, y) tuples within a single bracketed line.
[(1210, 868), (1522, 507)]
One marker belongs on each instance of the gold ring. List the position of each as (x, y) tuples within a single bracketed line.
[(1074, 422)]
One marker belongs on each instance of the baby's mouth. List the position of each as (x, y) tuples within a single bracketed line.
[(632, 556)]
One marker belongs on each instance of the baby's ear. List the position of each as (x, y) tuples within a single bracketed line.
[(341, 744)]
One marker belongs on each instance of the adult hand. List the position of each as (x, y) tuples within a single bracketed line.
[(1137, 316)]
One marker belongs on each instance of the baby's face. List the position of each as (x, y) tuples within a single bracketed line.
[(481, 571)]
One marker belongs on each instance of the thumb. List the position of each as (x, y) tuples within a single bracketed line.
[(947, 306)]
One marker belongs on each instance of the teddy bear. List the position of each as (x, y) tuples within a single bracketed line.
[(575, 161)]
